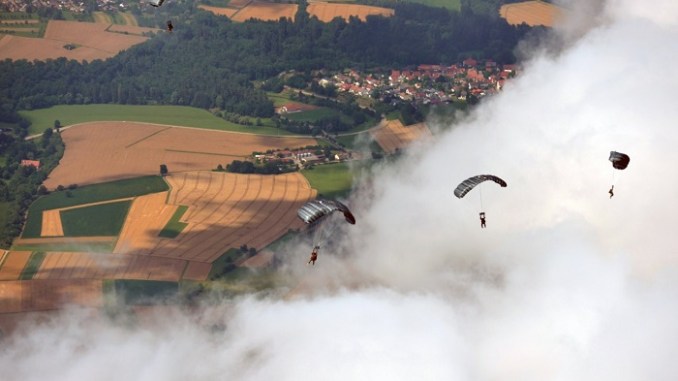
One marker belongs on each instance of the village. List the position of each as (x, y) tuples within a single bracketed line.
[(427, 84)]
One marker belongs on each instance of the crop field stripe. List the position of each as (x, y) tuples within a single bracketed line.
[(32, 266)]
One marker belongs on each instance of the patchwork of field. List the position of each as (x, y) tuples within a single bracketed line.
[(531, 13), (392, 135), (327, 11), (225, 210), (92, 41), (50, 294), (137, 149), (268, 11)]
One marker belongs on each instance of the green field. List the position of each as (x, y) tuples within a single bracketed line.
[(171, 115), (8, 25), (86, 247), (331, 180), (317, 114), (96, 220), (141, 292), (34, 262), (88, 194), (174, 226), (225, 263)]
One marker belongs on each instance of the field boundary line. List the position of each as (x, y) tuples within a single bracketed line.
[(147, 137)]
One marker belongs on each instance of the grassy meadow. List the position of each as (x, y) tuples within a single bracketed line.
[(185, 116), (331, 180), (96, 220)]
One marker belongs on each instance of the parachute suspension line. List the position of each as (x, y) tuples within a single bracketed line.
[(480, 194)]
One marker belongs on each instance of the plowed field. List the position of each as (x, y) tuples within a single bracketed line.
[(93, 41), (392, 135), (69, 265), (40, 295), (106, 151), (531, 13), (228, 210)]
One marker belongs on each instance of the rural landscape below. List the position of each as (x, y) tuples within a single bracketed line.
[(296, 190)]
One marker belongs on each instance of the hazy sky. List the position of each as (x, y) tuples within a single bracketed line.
[(564, 284)]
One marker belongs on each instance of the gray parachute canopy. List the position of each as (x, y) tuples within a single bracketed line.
[(619, 160), (156, 3), (470, 183), (318, 209)]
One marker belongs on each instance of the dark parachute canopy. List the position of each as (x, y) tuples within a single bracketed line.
[(317, 209), (619, 160), (470, 183), (157, 3)]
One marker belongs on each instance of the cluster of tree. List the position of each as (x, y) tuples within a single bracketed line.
[(21, 185), (210, 62), (271, 167)]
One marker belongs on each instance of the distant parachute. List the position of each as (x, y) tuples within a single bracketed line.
[(619, 160), (156, 3), (316, 210), (170, 26), (467, 185)]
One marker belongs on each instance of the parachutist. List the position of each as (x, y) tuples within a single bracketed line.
[(482, 220), (314, 256), (611, 191), (170, 26)]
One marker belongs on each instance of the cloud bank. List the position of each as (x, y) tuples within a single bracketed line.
[(564, 284)]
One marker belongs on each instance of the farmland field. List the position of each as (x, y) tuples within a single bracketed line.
[(96, 220), (44, 295), (174, 226), (220, 11), (265, 11), (170, 115), (531, 13), (89, 194), (225, 210), (453, 5), (12, 264), (328, 11), (331, 180), (74, 265), (136, 149), (324, 11), (393, 136), (314, 115), (93, 41)]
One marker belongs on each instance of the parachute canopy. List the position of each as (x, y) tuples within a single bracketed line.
[(471, 182), (157, 3), (317, 209), (619, 160)]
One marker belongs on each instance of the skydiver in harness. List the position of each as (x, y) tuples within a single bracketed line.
[(314, 255), (611, 191), (482, 220)]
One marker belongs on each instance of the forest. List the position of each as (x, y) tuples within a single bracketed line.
[(211, 62)]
